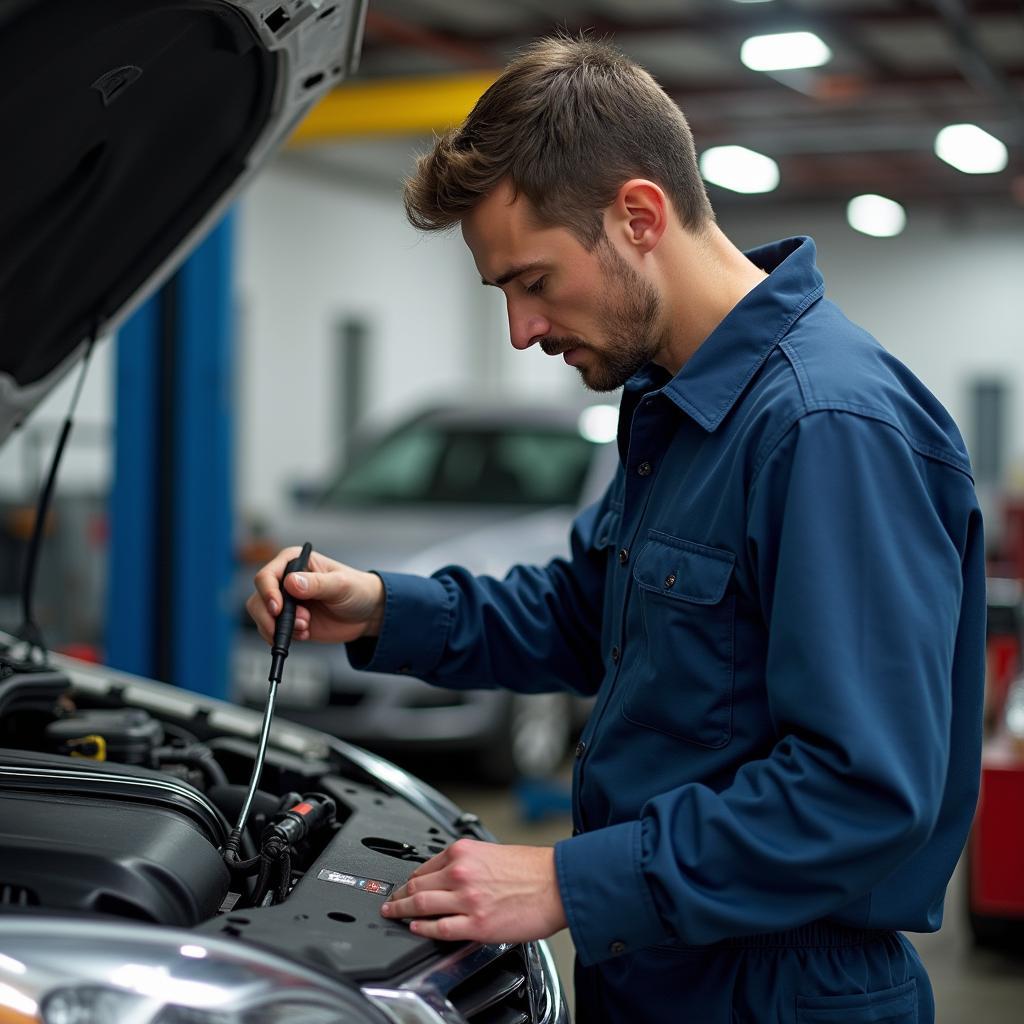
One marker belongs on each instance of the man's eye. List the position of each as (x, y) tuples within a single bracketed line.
[(537, 287)]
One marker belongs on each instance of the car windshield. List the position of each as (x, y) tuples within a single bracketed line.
[(429, 463)]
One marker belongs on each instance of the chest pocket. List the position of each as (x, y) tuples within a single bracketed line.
[(682, 682)]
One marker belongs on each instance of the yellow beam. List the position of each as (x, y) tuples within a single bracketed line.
[(394, 106)]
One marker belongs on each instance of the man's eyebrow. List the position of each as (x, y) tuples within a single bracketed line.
[(513, 273)]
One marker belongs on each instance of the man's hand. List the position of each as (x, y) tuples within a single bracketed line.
[(338, 603), (482, 892)]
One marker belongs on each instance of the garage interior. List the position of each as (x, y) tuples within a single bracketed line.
[(314, 334)]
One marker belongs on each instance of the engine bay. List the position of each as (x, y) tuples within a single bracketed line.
[(110, 810)]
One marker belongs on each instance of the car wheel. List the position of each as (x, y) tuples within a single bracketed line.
[(531, 739)]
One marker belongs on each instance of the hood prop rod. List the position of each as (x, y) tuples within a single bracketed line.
[(30, 633)]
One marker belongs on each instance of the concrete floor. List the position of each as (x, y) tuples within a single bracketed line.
[(972, 986)]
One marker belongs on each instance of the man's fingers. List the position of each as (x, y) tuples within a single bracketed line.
[(445, 929), (268, 579), (428, 903), (430, 874), (333, 601), (330, 587), (258, 613), (266, 623), (435, 864)]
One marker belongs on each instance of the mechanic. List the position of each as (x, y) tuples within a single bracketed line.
[(779, 602)]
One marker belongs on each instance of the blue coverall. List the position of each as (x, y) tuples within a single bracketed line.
[(780, 605)]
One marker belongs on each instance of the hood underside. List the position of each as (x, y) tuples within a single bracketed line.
[(127, 125)]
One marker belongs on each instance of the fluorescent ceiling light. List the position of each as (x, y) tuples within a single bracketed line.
[(739, 169), (876, 216), (599, 423), (784, 51), (970, 149)]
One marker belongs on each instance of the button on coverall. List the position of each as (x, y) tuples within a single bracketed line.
[(779, 604)]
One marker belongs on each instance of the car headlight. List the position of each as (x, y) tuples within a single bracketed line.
[(56, 971)]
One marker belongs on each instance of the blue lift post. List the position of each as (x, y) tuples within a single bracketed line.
[(131, 634), (171, 569)]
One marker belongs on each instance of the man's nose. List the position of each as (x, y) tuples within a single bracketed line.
[(526, 330)]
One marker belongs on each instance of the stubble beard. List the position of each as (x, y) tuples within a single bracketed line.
[(629, 314)]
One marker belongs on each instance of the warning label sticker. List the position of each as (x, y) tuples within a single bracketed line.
[(374, 885)]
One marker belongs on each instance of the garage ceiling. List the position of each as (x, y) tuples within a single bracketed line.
[(865, 122)]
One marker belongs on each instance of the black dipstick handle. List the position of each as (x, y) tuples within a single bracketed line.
[(286, 620)]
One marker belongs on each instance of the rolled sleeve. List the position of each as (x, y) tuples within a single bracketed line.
[(601, 870), (414, 630)]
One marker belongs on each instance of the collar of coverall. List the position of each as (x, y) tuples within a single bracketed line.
[(715, 376)]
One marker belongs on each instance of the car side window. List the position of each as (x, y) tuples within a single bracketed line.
[(399, 469), (550, 467), (428, 464)]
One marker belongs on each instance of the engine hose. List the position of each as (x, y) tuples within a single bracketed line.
[(197, 756), (237, 866), (260, 889), (272, 852), (284, 874)]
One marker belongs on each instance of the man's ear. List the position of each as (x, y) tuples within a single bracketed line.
[(638, 214)]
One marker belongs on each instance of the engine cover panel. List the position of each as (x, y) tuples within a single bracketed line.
[(330, 921), (107, 842)]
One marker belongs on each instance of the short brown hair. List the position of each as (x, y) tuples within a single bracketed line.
[(568, 121)]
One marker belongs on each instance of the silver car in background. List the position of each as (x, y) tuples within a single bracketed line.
[(482, 486)]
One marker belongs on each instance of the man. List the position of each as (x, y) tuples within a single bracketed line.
[(779, 602)]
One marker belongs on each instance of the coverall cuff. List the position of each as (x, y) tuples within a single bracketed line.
[(605, 896), (413, 632)]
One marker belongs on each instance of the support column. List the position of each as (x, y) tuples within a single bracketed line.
[(169, 610)]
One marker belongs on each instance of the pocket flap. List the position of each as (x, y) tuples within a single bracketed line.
[(682, 569)]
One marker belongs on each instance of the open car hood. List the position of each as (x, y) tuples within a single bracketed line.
[(127, 127)]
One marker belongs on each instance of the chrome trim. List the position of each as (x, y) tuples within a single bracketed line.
[(423, 997), (536, 979), (556, 1010), (404, 1007)]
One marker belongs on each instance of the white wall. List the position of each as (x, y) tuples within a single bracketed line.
[(312, 251), (946, 297), (309, 255)]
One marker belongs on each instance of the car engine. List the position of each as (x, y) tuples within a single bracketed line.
[(115, 801)]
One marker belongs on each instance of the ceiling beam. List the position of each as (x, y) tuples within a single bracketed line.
[(394, 106), (419, 105), (390, 31), (975, 63), (739, 19)]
